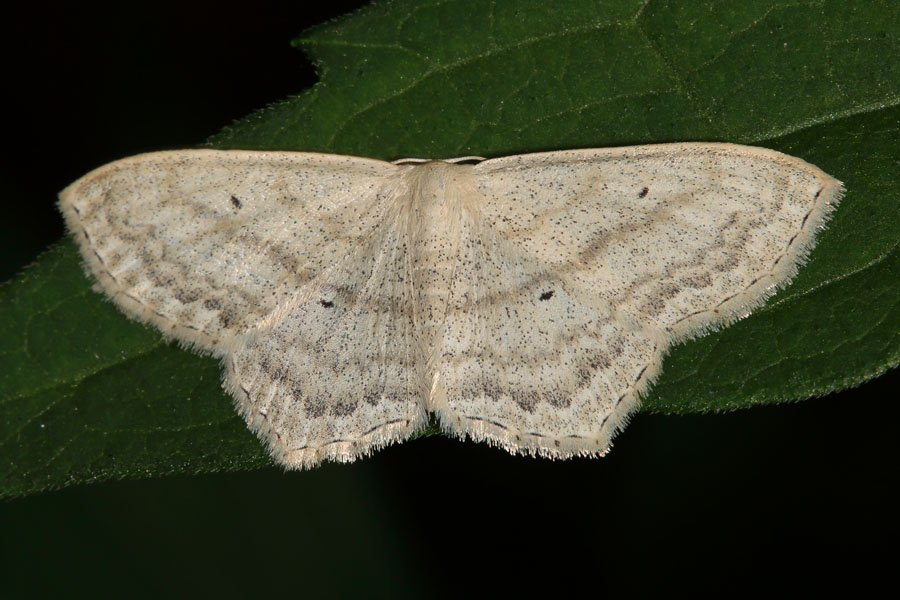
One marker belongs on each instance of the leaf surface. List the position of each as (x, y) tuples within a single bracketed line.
[(87, 395)]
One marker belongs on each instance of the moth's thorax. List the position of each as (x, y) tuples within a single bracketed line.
[(439, 195)]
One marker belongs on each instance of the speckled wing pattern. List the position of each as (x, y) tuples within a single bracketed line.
[(273, 261), (587, 265), (526, 301)]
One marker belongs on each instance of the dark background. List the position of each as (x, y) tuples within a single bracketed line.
[(799, 496)]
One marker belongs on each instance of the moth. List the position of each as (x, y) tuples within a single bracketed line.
[(526, 301)]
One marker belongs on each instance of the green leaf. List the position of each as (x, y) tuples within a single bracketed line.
[(87, 395)]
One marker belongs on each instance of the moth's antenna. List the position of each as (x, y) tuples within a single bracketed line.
[(401, 161), (465, 159)]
